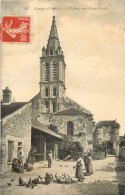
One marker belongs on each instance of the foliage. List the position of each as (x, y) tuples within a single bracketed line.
[(70, 147), (99, 147)]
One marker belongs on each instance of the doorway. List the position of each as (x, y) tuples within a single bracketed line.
[(109, 148), (10, 150)]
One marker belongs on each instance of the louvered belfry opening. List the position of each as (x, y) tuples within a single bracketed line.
[(47, 72), (54, 71)]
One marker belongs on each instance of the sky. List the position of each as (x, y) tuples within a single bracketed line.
[(92, 37)]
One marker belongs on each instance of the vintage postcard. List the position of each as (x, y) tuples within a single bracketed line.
[(62, 97)]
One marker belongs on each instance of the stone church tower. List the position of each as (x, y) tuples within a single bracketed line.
[(52, 73), (51, 107)]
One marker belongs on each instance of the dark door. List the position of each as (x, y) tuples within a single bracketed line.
[(10, 150)]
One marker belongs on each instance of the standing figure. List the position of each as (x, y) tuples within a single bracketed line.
[(20, 156), (89, 168), (79, 169), (31, 155), (85, 160), (50, 159)]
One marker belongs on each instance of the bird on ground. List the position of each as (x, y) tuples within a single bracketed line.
[(9, 184), (29, 183), (32, 185), (21, 182)]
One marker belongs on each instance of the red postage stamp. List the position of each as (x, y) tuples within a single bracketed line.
[(15, 29)]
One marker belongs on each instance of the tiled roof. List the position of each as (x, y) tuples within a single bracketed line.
[(67, 102), (112, 123), (70, 111), (37, 125), (36, 96), (7, 109)]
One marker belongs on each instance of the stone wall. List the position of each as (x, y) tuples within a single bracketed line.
[(81, 125), (98, 155), (122, 153), (17, 128), (108, 134)]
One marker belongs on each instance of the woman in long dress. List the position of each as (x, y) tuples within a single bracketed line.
[(79, 169), (89, 167)]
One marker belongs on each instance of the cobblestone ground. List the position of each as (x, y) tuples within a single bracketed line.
[(102, 182)]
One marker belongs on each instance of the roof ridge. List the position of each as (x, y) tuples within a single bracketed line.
[(35, 96), (70, 111), (8, 113), (78, 104), (112, 123)]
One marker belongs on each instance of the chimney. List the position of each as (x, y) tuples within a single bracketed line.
[(7, 95)]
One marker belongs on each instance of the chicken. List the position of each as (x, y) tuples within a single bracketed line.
[(67, 178), (21, 182), (57, 177), (35, 181), (48, 178), (29, 166), (32, 185), (62, 178), (40, 179), (52, 177), (9, 184), (29, 183)]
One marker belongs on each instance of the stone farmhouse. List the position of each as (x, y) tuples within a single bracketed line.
[(16, 128), (107, 133)]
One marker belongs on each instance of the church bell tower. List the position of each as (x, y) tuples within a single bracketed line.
[(52, 73)]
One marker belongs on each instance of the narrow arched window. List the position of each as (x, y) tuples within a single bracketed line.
[(54, 91), (56, 52), (54, 106), (47, 104), (51, 52), (70, 128), (46, 92)]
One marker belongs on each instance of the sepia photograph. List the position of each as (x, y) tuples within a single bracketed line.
[(62, 89)]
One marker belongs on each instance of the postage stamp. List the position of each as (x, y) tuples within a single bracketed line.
[(15, 29)]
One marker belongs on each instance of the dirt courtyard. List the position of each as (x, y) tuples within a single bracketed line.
[(103, 182)]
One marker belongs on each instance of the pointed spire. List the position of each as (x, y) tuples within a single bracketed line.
[(53, 45), (53, 32)]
